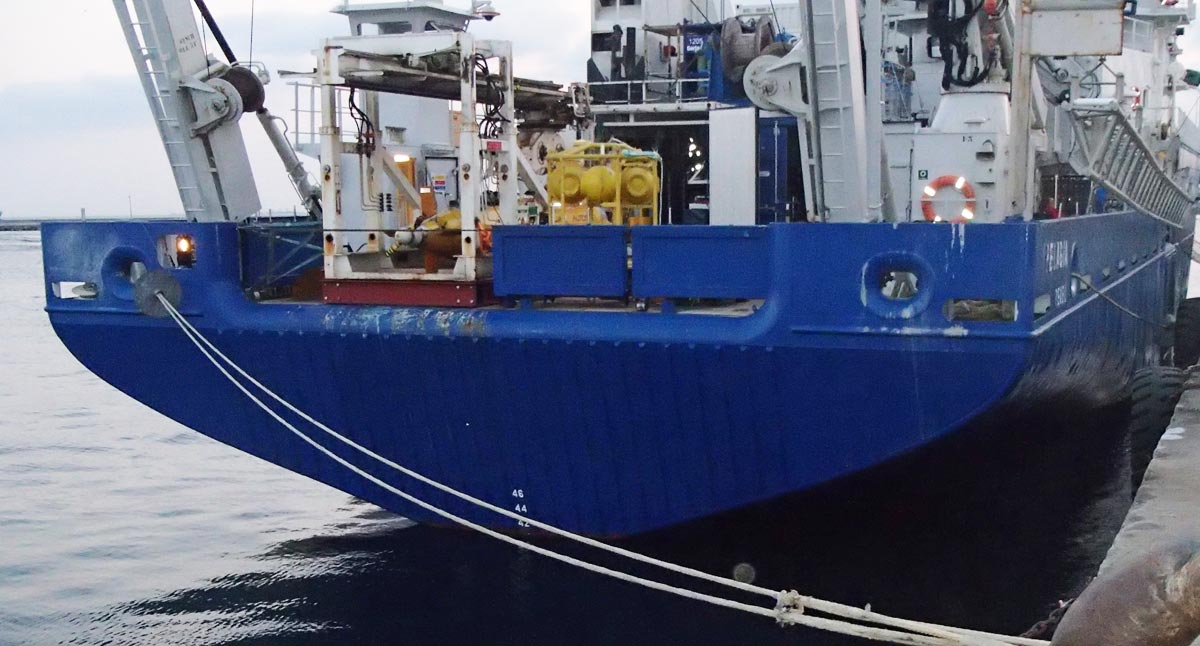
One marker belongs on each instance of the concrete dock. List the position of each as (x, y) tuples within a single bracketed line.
[(1167, 506), (1130, 596)]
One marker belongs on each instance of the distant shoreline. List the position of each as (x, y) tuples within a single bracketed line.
[(28, 225)]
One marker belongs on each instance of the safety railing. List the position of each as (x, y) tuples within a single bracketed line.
[(654, 90), (1181, 8), (306, 117), (1139, 34)]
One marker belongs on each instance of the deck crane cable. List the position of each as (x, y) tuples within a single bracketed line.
[(774, 12), (216, 30), (252, 12), (790, 606), (204, 40)]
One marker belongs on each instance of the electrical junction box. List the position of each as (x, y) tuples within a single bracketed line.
[(1098, 27)]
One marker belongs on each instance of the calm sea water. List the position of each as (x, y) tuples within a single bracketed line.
[(118, 526)]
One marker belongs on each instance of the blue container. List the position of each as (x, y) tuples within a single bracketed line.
[(701, 262), (560, 261)]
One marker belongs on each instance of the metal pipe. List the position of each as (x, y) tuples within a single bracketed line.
[(309, 192), (1005, 28), (216, 30), (1021, 157), (876, 168), (407, 239)]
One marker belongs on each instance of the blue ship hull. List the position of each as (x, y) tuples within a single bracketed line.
[(621, 423)]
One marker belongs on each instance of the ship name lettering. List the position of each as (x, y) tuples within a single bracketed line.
[(1058, 256)]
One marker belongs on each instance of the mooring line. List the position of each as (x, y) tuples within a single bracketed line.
[(790, 606), (1103, 293)]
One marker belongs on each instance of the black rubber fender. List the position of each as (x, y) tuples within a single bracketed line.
[(1187, 334), (1154, 394)]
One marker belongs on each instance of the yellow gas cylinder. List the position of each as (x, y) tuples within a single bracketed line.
[(565, 183), (600, 184), (446, 221), (638, 185)]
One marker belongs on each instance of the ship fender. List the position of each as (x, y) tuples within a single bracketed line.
[(1154, 393), (1187, 334), (1153, 600)]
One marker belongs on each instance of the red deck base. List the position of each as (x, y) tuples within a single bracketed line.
[(409, 293)]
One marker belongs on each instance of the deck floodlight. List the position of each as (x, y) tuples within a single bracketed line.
[(185, 252)]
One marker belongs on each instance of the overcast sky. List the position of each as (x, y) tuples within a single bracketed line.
[(75, 130)]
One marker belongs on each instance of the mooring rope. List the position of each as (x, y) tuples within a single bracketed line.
[(1102, 293), (790, 606)]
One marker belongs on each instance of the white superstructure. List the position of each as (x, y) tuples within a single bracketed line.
[(963, 110), (820, 111)]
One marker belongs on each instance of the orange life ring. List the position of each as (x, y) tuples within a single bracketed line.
[(959, 184)]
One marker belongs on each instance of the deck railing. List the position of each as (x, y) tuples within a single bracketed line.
[(654, 90)]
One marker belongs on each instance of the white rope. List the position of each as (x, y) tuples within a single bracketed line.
[(678, 569), (790, 606)]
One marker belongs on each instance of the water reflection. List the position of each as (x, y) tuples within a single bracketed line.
[(950, 547)]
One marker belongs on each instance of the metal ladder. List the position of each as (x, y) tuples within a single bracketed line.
[(1122, 162), (153, 63), (838, 110)]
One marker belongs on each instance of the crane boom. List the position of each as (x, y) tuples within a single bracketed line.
[(196, 111)]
